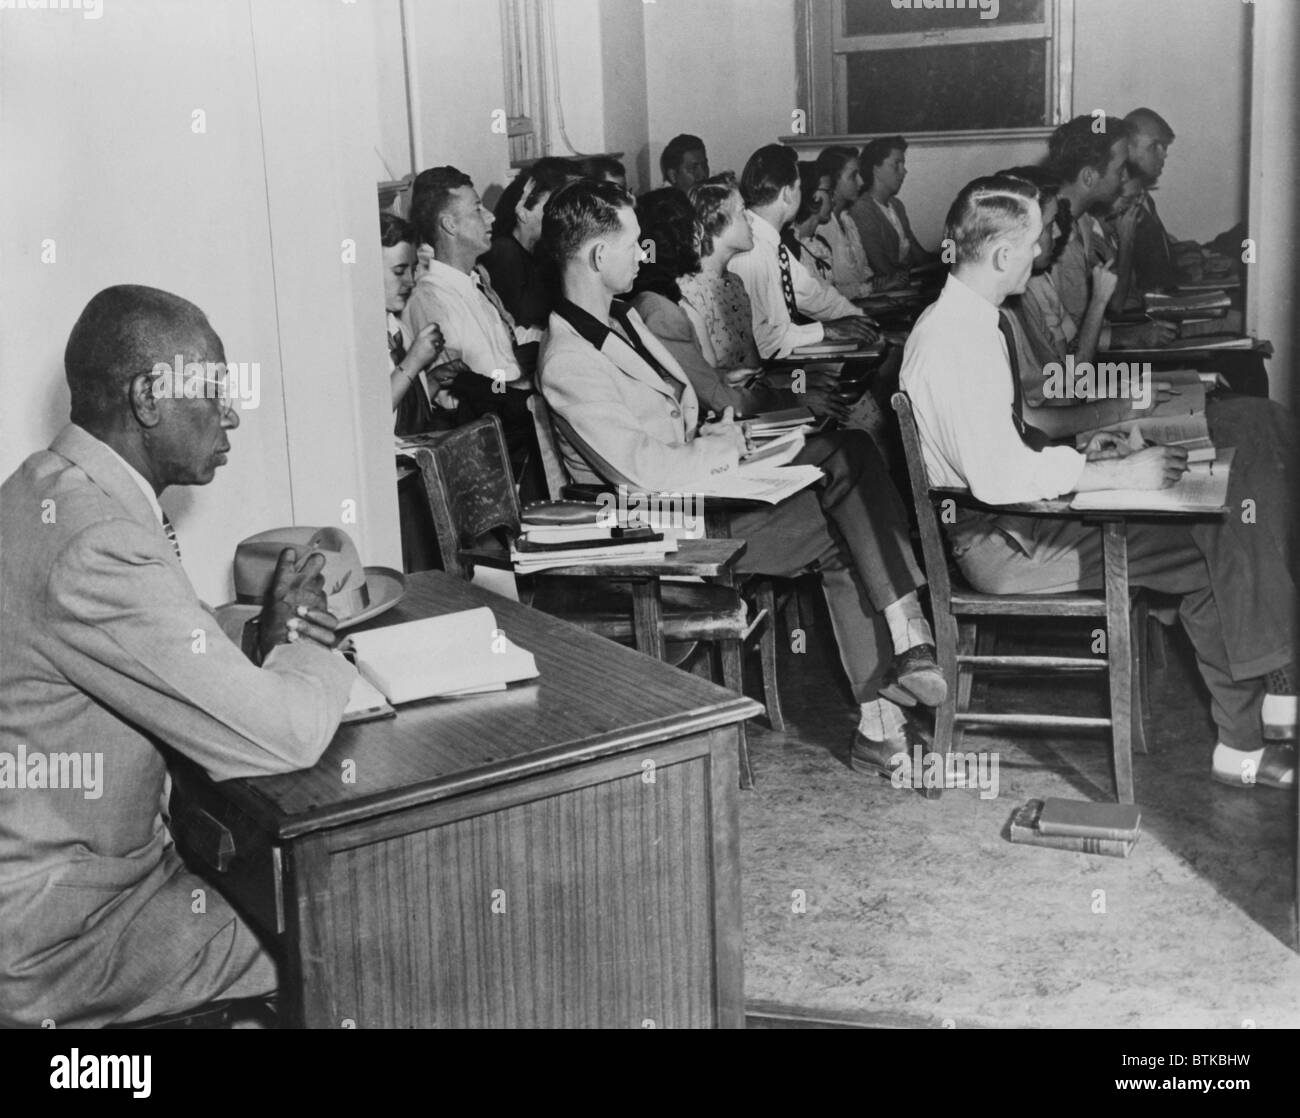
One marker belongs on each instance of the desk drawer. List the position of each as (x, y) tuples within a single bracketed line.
[(228, 848)]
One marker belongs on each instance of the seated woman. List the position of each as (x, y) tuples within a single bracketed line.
[(525, 282), (699, 310), (881, 219), (415, 408), (851, 273), (802, 236)]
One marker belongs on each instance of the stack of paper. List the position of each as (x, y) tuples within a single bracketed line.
[(456, 654), (770, 424), (770, 484)]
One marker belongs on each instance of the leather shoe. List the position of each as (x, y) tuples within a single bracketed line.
[(916, 677), (1276, 769), (885, 758)]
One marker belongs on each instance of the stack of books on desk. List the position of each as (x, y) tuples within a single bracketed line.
[(1198, 304), (577, 533), (771, 424)]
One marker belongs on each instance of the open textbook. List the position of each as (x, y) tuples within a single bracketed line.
[(457, 654), (1203, 488), (1178, 421)]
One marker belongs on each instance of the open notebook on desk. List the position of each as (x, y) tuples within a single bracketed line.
[(1202, 489)]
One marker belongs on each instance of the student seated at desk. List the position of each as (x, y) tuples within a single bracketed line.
[(790, 307), (524, 281), (700, 312), (99, 672), (802, 235), (684, 162), (850, 272), (457, 294), (604, 168), (1090, 167), (1237, 589), (626, 414), (887, 238), (413, 409)]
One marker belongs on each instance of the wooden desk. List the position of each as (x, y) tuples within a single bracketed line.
[(564, 854)]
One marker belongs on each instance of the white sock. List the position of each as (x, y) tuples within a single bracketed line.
[(880, 718), (1279, 710), (907, 624)]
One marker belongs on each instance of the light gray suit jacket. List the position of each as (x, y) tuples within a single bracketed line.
[(105, 650)]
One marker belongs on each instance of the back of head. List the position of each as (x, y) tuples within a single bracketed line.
[(767, 172), (810, 177), (985, 211), (125, 331), (1152, 123), (667, 220), (832, 160), (1044, 179), (431, 196), (875, 152), (709, 200), (577, 214), (670, 159), (1083, 142), (530, 186), (394, 231), (602, 167)]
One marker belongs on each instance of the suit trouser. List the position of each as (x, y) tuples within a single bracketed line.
[(853, 529), (142, 952)]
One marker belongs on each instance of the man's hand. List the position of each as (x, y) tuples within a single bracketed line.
[(1104, 281), (823, 402), (1107, 444), (295, 607), (1156, 467), (737, 377), (727, 428), (1126, 226), (851, 328)]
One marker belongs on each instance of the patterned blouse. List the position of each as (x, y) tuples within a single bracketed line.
[(722, 305), (852, 273)]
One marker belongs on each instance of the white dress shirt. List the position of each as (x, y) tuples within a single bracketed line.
[(956, 370), (850, 272), (759, 270), (475, 329)]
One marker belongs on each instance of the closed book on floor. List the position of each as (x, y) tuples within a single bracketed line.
[(455, 653), (1024, 829), (1090, 820)]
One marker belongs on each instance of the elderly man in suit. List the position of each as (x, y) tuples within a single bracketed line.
[(626, 413), (106, 658)]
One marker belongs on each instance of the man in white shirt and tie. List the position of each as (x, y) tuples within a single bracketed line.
[(456, 293), (1237, 590), (791, 308)]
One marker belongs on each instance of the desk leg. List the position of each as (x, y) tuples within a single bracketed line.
[(648, 617), (1119, 645)]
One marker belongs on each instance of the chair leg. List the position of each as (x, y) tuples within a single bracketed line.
[(945, 635), (1138, 634), (986, 644), (793, 620), (731, 654), (1119, 655), (968, 639), (766, 598)]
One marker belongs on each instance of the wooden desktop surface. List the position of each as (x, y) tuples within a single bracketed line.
[(593, 698)]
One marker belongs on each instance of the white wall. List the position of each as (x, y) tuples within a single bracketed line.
[(722, 70), (99, 156)]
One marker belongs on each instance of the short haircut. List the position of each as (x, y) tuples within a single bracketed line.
[(432, 196), (833, 160), (876, 152), (811, 174), (1045, 180), (986, 210), (394, 231), (710, 200), (599, 166), (1078, 144), (767, 172), (1148, 120), (125, 331), (670, 159), (580, 212)]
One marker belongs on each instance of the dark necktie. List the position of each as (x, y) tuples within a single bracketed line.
[(396, 348), (1032, 437), (171, 536), (787, 287)]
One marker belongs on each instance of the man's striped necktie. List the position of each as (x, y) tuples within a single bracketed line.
[(171, 536)]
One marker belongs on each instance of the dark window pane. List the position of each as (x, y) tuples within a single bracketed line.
[(880, 17), (941, 89)]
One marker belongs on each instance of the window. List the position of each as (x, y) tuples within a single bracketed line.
[(869, 67)]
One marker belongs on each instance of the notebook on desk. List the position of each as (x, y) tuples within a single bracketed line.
[(1202, 489)]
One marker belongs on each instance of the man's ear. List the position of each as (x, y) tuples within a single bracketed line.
[(998, 255), (596, 255), (143, 400)]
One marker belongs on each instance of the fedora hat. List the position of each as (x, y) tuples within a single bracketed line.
[(354, 593)]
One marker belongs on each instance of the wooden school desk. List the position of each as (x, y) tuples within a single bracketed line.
[(562, 854)]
